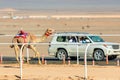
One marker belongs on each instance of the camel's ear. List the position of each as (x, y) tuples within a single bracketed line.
[(50, 29)]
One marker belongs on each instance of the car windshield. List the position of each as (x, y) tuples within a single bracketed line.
[(96, 39)]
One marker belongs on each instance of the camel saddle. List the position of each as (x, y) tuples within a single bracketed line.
[(22, 36)]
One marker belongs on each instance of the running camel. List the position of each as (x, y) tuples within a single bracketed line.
[(23, 37)]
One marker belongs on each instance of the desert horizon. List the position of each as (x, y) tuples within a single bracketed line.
[(49, 12)]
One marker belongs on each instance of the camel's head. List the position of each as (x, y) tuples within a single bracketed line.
[(49, 32)]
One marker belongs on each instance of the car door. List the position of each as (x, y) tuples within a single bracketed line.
[(71, 46), (82, 46)]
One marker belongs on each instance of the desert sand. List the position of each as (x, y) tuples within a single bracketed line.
[(38, 26), (101, 25), (58, 72)]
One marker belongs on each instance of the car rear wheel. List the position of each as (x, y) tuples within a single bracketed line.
[(98, 55), (61, 53)]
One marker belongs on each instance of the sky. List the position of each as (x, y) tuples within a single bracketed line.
[(62, 4)]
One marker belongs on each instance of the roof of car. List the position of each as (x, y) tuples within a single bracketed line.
[(71, 33)]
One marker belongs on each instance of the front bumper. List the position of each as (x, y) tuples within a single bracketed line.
[(113, 52)]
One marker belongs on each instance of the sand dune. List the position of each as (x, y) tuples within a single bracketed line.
[(7, 9)]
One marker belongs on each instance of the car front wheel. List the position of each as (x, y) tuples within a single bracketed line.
[(61, 53), (98, 55)]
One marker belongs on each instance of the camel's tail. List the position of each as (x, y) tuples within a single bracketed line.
[(11, 46)]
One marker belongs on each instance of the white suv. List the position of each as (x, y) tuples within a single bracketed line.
[(65, 43)]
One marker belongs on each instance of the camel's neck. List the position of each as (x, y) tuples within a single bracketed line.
[(42, 38)]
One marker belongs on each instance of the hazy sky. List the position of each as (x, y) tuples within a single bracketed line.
[(62, 4)]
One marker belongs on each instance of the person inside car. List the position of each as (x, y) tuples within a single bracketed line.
[(72, 39), (82, 40)]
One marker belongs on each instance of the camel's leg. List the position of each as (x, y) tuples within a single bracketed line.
[(16, 48), (36, 53), (23, 54)]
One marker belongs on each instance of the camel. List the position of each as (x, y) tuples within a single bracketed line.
[(29, 38)]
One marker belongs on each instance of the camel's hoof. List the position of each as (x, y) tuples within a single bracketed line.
[(28, 62), (39, 62)]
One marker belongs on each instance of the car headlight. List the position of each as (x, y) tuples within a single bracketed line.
[(107, 46)]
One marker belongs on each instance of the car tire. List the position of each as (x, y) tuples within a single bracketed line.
[(112, 57), (61, 53), (98, 55)]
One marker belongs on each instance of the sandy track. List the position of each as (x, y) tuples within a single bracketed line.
[(58, 72)]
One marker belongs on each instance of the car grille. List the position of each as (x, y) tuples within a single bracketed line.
[(115, 46)]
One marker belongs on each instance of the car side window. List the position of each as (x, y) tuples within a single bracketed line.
[(61, 38), (72, 39), (83, 39)]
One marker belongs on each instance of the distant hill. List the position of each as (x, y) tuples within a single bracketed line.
[(7, 9)]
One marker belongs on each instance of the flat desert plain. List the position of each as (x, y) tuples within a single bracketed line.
[(58, 72), (92, 25)]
